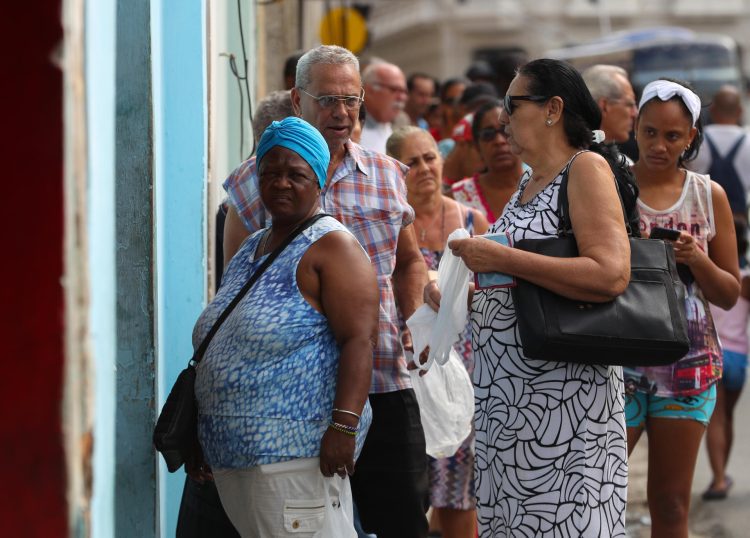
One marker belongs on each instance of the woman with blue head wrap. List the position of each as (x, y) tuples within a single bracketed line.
[(668, 132), (282, 389)]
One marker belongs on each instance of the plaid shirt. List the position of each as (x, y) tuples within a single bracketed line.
[(368, 195)]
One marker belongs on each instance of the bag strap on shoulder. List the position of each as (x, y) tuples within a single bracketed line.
[(564, 226), (198, 355)]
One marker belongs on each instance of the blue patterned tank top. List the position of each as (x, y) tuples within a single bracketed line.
[(266, 384)]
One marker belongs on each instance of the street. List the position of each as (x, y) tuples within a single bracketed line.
[(729, 518)]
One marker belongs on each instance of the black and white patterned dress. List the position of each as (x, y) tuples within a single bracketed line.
[(551, 451)]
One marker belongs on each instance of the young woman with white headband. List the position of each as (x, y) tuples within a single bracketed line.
[(668, 133)]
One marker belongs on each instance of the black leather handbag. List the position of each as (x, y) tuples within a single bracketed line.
[(645, 326), (176, 431)]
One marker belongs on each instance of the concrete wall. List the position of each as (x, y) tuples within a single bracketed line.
[(135, 463)]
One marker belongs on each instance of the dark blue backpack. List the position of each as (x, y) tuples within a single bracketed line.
[(722, 171)]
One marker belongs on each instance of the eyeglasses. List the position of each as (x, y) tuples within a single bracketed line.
[(352, 102), (510, 107), (488, 134), (392, 89), (627, 103)]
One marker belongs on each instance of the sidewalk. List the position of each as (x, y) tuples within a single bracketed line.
[(729, 518)]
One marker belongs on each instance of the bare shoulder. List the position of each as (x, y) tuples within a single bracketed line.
[(338, 245), (589, 162)]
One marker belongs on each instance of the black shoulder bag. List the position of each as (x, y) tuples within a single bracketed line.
[(176, 431), (644, 326)]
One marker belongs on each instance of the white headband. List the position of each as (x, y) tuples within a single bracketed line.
[(665, 90)]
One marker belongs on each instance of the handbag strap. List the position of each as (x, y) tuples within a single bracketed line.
[(564, 226), (198, 355)]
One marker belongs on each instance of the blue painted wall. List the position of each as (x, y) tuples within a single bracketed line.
[(180, 149), (100, 126)]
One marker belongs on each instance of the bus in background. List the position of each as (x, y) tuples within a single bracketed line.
[(707, 61)]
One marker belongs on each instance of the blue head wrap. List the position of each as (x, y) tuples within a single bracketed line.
[(300, 137)]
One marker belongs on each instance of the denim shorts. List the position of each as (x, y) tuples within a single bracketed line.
[(698, 407), (735, 366)]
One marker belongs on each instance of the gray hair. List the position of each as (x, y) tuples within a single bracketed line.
[(323, 54), (371, 73), (601, 82), (395, 143), (273, 107)]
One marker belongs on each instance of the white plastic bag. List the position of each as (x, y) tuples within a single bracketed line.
[(446, 405), (445, 394), (339, 509)]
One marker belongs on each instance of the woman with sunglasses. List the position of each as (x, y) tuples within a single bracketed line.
[(550, 436), (489, 190), (668, 133), (436, 216)]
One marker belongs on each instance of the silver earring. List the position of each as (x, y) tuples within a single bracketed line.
[(548, 122)]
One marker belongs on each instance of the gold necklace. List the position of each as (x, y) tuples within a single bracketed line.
[(423, 231)]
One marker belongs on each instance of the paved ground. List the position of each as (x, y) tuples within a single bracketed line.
[(729, 518)]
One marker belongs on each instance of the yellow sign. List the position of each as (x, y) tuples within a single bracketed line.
[(345, 27)]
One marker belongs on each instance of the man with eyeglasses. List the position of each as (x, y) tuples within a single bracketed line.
[(612, 91), (365, 191), (385, 98)]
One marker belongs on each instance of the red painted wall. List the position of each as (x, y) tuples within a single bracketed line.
[(32, 498)]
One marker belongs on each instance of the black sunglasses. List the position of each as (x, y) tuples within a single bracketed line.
[(510, 107), (488, 134)]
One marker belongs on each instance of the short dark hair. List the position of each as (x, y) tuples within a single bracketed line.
[(448, 84), (476, 91), (414, 76), (290, 65), (479, 116)]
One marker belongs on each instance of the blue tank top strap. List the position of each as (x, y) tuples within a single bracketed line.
[(469, 222)]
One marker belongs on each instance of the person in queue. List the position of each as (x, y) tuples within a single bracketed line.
[(612, 91), (385, 95), (725, 156), (489, 190), (732, 327), (421, 89), (201, 514), (669, 133), (282, 388), (452, 494), (449, 109), (544, 429), (365, 191)]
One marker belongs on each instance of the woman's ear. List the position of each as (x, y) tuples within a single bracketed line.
[(691, 136), (555, 108)]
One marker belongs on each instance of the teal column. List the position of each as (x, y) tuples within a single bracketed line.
[(180, 146), (135, 471)]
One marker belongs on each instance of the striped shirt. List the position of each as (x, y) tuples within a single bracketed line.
[(367, 194)]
